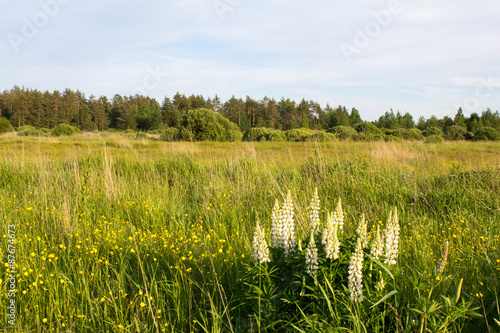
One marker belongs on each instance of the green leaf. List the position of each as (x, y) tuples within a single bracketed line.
[(384, 298)]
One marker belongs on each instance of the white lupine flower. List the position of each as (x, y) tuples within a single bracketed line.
[(330, 238), (338, 215), (377, 249), (276, 227), (260, 249), (287, 237), (355, 279), (362, 232), (314, 212), (392, 238), (312, 256)]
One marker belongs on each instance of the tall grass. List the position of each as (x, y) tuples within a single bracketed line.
[(117, 234)]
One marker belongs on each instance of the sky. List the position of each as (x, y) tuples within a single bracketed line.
[(423, 57)]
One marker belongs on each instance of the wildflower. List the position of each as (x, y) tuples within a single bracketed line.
[(287, 237), (442, 264), (392, 238), (355, 279), (338, 215), (362, 232), (312, 256), (142, 304), (377, 249), (276, 227), (260, 249), (314, 212), (330, 238)]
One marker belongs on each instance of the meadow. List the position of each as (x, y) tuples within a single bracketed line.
[(119, 234)]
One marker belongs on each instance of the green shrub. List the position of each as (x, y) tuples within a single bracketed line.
[(29, 130), (434, 139), (345, 132), (434, 131), (299, 134), (276, 136), (5, 126), (208, 125), (257, 133), (411, 134), (64, 129), (370, 131), (486, 133), (322, 136), (169, 134), (456, 133)]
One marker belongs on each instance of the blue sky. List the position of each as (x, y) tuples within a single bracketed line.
[(423, 57)]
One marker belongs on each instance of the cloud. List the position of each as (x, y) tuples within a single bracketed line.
[(427, 58)]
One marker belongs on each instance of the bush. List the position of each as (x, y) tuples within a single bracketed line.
[(323, 136), (456, 133), (64, 129), (5, 126), (434, 131), (345, 133), (486, 133), (257, 133), (299, 134), (30, 130), (276, 136), (370, 131), (207, 125), (434, 139), (411, 134), (169, 134)]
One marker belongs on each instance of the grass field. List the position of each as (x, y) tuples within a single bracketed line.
[(115, 234)]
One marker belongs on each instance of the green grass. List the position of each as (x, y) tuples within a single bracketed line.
[(137, 235)]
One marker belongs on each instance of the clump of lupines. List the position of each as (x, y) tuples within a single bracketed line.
[(355, 279), (392, 238), (314, 212), (260, 248), (384, 245), (330, 237), (312, 256)]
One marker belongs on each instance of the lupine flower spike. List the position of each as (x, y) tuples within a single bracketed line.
[(355, 279), (377, 249), (362, 232), (276, 227), (392, 238), (330, 238), (260, 249), (287, 239), (314, 212), (338, 215), (312, 256)]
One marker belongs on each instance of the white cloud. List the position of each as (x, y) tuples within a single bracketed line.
[(425, 60)]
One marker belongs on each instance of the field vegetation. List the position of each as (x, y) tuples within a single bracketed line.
[(127, 233)]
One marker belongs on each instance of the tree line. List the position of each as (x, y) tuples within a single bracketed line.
[(141, 113)]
